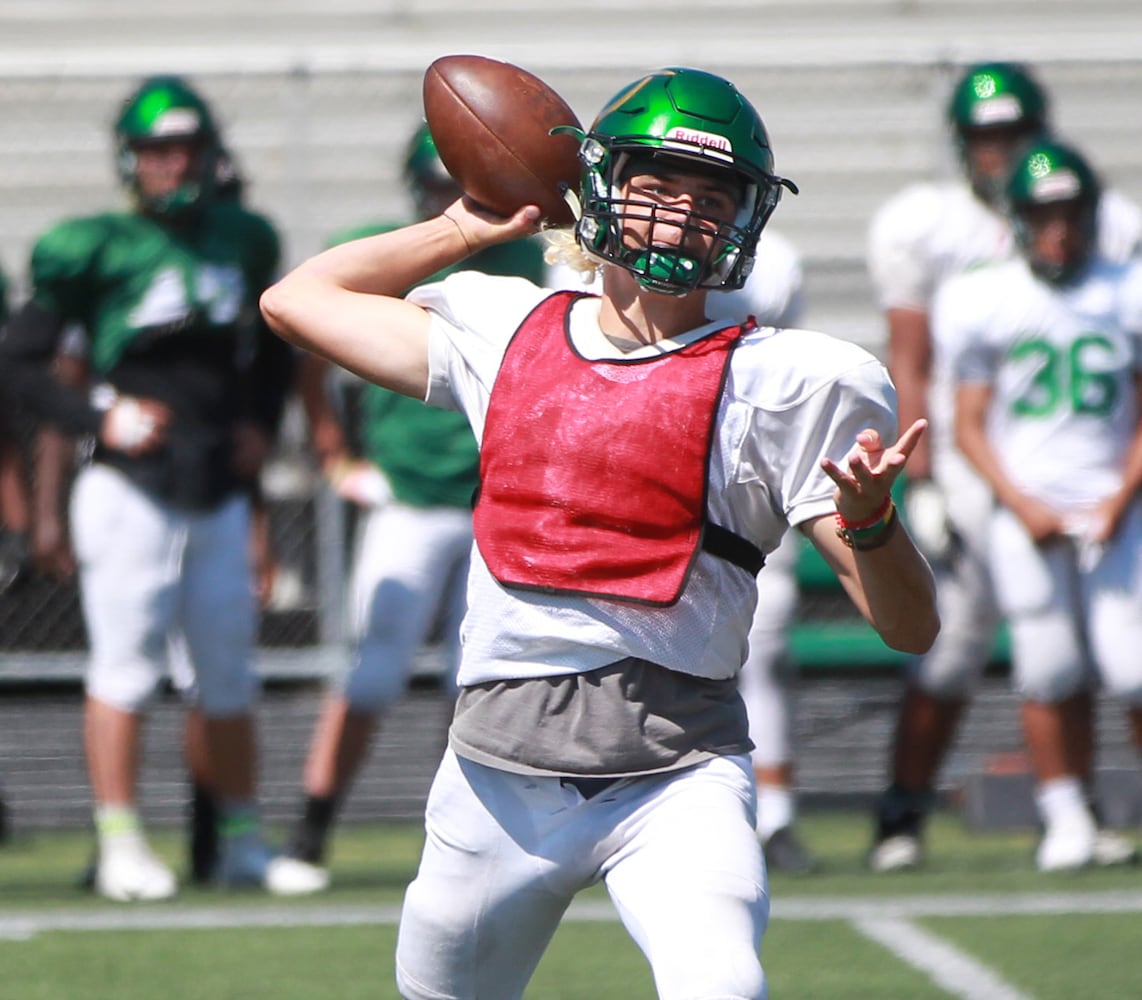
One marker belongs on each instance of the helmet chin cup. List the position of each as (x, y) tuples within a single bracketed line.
[(670, 271)]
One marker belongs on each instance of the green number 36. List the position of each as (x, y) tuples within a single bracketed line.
[(1064, 377)]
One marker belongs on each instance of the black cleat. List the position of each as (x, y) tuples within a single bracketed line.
[(784, 852), (898, 843)]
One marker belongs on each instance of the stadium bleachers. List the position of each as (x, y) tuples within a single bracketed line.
[(317, 99)]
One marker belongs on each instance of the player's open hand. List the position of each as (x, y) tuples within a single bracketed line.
[(864, 479)]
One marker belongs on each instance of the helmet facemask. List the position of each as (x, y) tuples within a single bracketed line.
[(663, 263), (197, 187), (1067, 271), (1009, 143)]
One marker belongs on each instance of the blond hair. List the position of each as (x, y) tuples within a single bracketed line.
[(563, 249)]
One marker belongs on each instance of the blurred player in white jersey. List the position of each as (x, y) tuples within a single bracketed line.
[(773, 294), (1048, 363), (926, 234)]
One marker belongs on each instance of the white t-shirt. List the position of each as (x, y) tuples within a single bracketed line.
[(792, 397), (1061, 363)]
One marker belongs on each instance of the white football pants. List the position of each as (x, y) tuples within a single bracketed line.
[(411, 571), (505, 853), (1071, 621), (147, 572)]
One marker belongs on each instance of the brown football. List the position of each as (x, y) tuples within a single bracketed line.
[(491, 123)]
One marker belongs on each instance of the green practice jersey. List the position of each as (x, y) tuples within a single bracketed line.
[(131, 282), (171, 314)]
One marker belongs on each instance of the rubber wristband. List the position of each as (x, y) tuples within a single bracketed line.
[(881, 514), (883, 538), (870, 538)]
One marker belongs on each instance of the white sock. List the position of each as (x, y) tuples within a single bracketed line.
[(775, 809), (1061, 799), (117, 825)]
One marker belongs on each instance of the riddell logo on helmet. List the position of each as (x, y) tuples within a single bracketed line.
[(694, 137), (997, 110), (1063, 185), (176, 121)]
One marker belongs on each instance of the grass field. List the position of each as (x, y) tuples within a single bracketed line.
[(979, 922)]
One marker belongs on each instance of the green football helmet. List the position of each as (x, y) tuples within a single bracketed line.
[(995, 97), (1051, 173), (166, 109), (429, 182), (682, 115)]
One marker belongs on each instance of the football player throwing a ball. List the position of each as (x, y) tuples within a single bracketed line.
[(637, 462)]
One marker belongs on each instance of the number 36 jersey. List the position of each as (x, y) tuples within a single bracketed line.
[(1061, 362)]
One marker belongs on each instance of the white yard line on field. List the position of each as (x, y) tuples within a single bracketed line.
[(947, 966), (19, 924), (976, 905)]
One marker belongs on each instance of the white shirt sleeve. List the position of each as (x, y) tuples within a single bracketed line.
[(830, 421), (817, 393), (474, 316), (1119, 227)]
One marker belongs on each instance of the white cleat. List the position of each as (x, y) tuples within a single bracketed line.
[(1112, 848), (1068, 844), (894, 854), (128, 871), (286, 876)]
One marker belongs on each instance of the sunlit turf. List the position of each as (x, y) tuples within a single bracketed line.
[(1047, 957), (1057, 957), (373, 863)]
